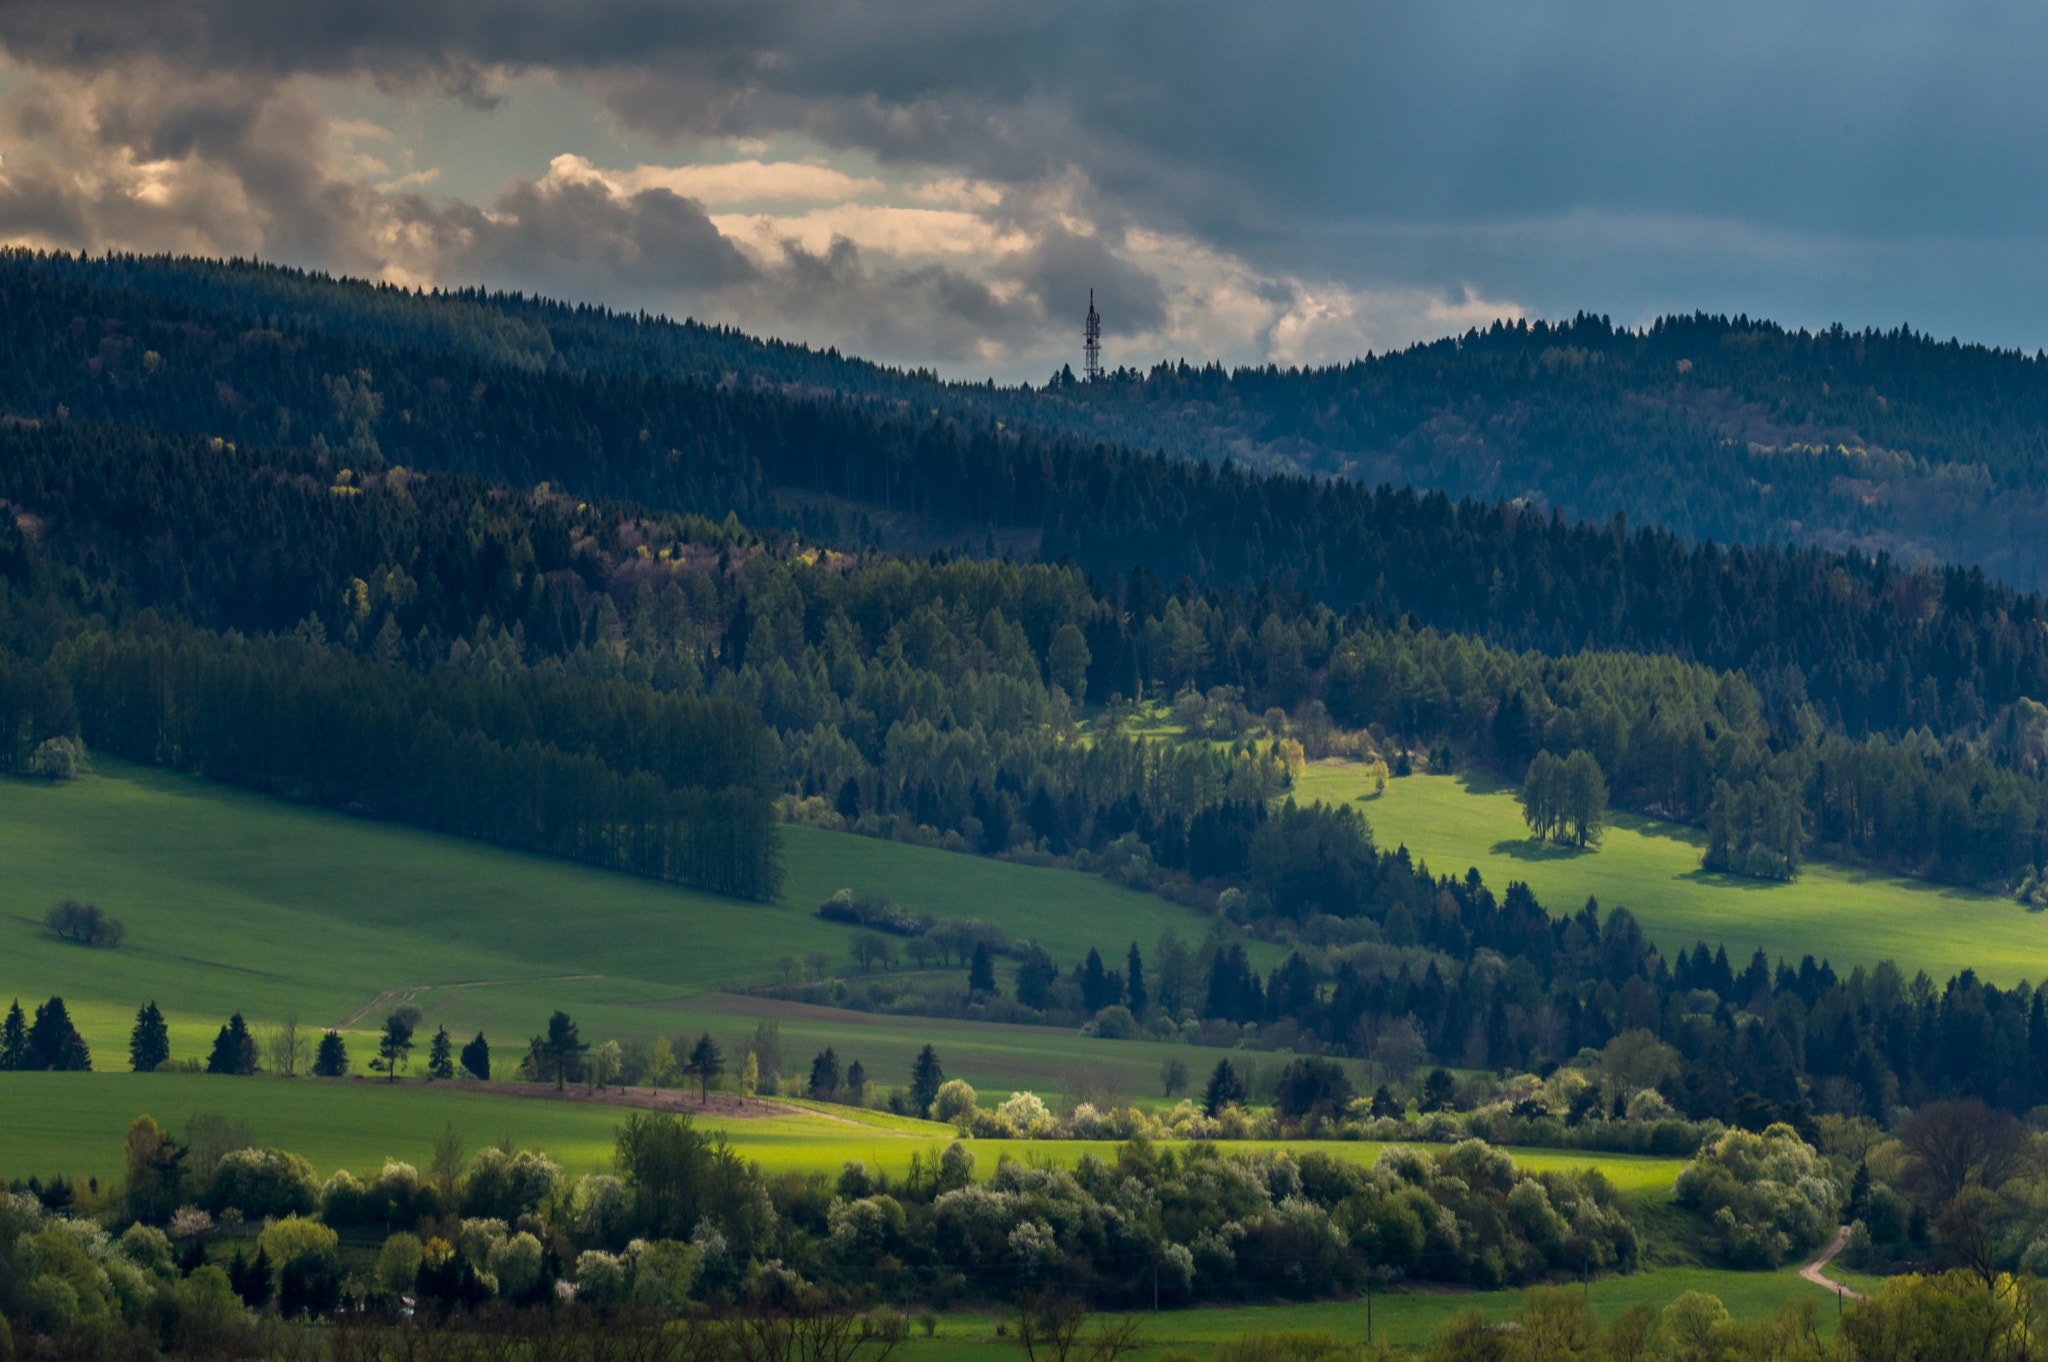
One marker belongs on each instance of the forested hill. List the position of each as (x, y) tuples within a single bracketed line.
[(1727, 429), (1874, 647)]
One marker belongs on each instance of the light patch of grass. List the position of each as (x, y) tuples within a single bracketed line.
[(237, 903), (1652, 868)]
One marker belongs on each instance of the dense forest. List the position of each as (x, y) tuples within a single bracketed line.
[(1731, 429)]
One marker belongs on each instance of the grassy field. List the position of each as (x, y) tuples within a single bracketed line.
[(1406, 1317), (1651, 868), (234, 902), (74, 1124)]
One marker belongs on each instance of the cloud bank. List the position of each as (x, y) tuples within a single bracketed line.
[(943, 183)]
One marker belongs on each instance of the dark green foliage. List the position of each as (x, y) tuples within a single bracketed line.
[(149, 1042), (330, 1060), (1035, 978), (1225, 1088), (825, 1076), (981, 973), (680, 1177), (560, 1052), (476, 1058), (85, 924), (926, 1077), (393, 1047), (234, 1049), (14, 1039), (705, 1064), (1134, 982), (1313, 1087), (441, 1056), (53, 1043)]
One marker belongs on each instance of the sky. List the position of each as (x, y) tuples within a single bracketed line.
[(941, 183)]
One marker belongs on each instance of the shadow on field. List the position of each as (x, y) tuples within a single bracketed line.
[(1529, 849)]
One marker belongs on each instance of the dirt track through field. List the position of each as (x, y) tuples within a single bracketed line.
[(1814, 1271)]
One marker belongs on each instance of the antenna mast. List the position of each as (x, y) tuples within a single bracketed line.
[(1091, 344)]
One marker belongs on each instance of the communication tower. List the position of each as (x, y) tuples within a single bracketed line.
[(1091, 343)]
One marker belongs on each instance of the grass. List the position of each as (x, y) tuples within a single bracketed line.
[(1406, 1317), (235, 902), (1852, 917), (74, 1124)]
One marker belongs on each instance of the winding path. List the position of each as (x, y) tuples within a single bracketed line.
[(1814, 1271)]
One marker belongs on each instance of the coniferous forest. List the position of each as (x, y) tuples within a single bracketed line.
[(640, 596)]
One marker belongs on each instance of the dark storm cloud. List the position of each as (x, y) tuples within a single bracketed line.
[(1592, 153)]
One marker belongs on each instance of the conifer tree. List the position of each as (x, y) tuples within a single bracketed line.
[(825, 1075), (54, 1043), (149, 1044), (441, 1057), (981, 974), (857, 1082), (1225, 1088), (234, 1049), (1134, 982), (331, 1059), (476, 1058), (393, 1048), (14, 1039), (705, 1065), (925, 1079)]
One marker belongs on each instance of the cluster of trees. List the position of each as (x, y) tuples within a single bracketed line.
[(49, 1042), (1565, 800), (85, 924)]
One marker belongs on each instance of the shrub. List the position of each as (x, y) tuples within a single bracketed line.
[(262, 1184), (58, 759), (1765, 1197), (955, 1100)]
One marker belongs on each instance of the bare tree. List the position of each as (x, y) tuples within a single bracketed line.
[(1962, 1144), (1052, 1331), (288, 1049)]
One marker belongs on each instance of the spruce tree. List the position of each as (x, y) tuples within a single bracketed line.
[(1134, 982), (149, 1044), (54, 1043), (1225, 1089), (476, 1058), (925, 1078), (825, 1075), (706, 1064), (331, 1059), (441, 1058), (14, 1039), (981, 975), (234, 1049)]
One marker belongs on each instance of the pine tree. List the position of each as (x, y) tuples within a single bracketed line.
[(825, 1075), (441, 1058), (981, 974), (1134, 982), (331, 1059), (393, 1048), (1225, 1088), (234, 1049), (925, 1079), (856, 1082), (705, 1065), (149, 1044), (560, 1050), (14, 1039), (476, 1058), (54, 1043)]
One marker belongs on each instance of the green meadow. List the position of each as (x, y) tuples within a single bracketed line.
[(74, 1124), (1652, 868), (235, 902), (1405, 1317)]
